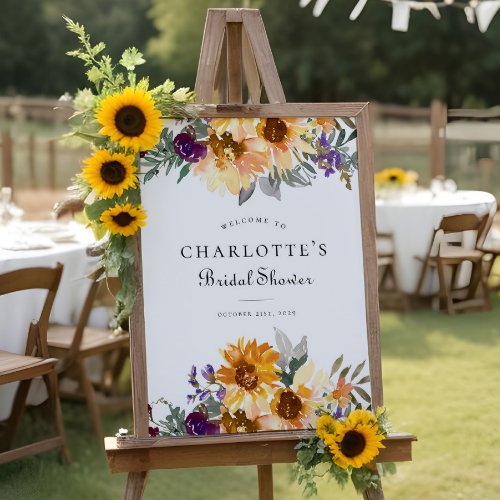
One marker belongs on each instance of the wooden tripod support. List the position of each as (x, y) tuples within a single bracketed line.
[(235, 54)]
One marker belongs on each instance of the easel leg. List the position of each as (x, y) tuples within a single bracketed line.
[(265, 475), (136, 484), (372, 494)]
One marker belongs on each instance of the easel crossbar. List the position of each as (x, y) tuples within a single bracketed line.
[(138, 454)]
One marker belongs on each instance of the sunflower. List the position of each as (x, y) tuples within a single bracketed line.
[(295, 407), (124, 219), (357, 442), (131, 119), (395, 177), (110, 173), (230, 164), (284, 140), (326, 426), (249, 378)]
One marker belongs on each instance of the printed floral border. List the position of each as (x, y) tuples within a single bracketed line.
[(237, 155), (261, 388)]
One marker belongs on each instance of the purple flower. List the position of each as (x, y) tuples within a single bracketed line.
[(327, 158), (208, 373), (197, 424), (142, 154), (338, 412), (187, 148), (221, 393), (192, 377), (154, 432), (204, 395)]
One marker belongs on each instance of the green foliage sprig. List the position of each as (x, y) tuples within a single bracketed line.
[(108, 79)]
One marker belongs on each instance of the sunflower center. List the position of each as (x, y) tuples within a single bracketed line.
[(352, 444), (123, 219), (289, 405), (245, 376), (130, 121), (393, 178), (113, 172), (275, 130), (225, 147)]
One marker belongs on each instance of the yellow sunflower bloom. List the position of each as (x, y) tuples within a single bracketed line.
[(357, 442), (110, 173), (395, 177), (326, 426), (131, 119), (249, 378), (124, 219)]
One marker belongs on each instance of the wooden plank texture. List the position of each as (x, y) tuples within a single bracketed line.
[(136, 455)]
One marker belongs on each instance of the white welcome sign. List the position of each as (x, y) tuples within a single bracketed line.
[(254, 275)]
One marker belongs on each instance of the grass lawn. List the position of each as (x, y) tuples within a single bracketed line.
[(441, 382)]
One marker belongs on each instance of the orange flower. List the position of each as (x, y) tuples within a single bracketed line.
[(249, 377), (341, 394)]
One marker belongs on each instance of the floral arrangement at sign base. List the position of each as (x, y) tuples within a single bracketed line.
[(257, 387), (344, 448), (121, 119), (392, 182)]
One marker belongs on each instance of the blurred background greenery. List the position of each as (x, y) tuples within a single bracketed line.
[(319, 59)]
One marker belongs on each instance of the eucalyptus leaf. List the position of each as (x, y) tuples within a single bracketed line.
[(357, 370), (352, 135), (184, 171), (336, 365), (340, 138), (246, 194), (268, 189), (344, 372), (300, 349), (362, 393), (364, 380), (285, 348)]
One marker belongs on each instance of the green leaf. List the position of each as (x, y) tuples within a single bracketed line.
[(94, 74), (184, 171), (340, 138), (309, 167), (95, 210), (352, 136), (336, 365), (131, 58), (357, 370), (364, 380), (362, 393), (344, 372)]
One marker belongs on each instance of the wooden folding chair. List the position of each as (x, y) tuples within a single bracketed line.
[(74, 344), (388, 283), (34, 363), (447, 252)]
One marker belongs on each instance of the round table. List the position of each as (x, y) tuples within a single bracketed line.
[(18, 309), (412, 217)]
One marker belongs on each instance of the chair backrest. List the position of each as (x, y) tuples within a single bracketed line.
[(458, 225), (98, 294), (33, 278)]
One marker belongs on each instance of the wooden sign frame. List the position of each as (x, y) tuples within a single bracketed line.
[(235, 48)]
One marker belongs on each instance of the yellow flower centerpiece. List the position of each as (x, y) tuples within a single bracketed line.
[(391, 182), (120, 118)]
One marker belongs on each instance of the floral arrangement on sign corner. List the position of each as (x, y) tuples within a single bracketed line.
[(121, 118), (395, 178)]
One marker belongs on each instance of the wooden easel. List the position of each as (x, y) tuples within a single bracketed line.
[(235, 49)]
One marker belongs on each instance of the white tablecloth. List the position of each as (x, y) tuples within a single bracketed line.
[(412, 219), (18, 309)]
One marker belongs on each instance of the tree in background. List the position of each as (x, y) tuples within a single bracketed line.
[(319, 59), (34, 40), (333, 59)]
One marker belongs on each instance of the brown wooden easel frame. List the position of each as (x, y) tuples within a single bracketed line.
[(235, 47)]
